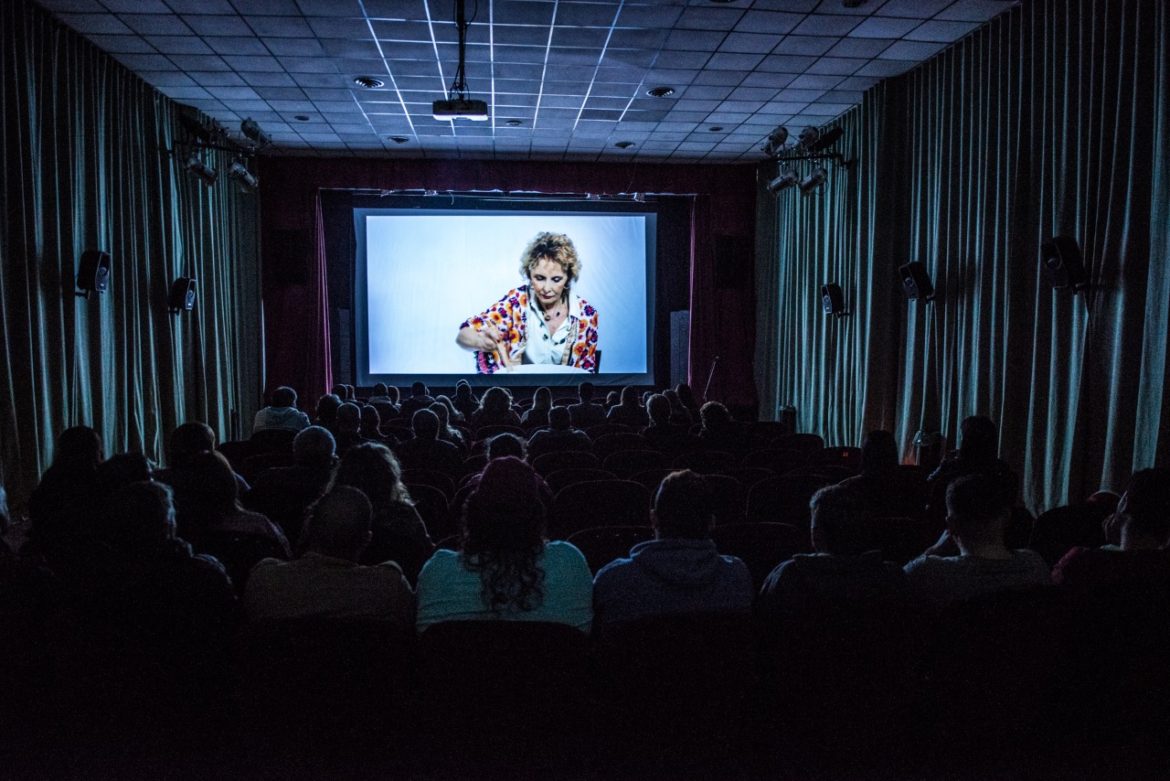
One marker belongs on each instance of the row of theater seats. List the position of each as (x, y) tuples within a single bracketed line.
[(840, 686)]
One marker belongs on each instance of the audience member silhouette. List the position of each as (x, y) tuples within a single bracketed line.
[(842, 570), (284, 493), (879, 485), (718, 430), (1143, 522), (687, 397), (187, 441), (399, 533), (559, 436), (420, 398), (628, 411), (465, 400), (327, 580), (495, 409), (537, 415), (282, 414), (586, 412), (978, 511), (60, 508), (426, 450), (327, 410), (661, 432), (347, 427), (380, 395), (679, 414), (211, 517), (977, 454), (447, 432), (680, 570), (506, 569)]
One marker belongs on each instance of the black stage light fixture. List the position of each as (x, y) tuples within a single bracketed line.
[(251, 129), (200, 170), (182, 295), (247, 180), (809, 136), (196, 129), (814, 180), (776, 141), (93, 272), (785, 179), (916, 283), (826, 139), (1063, 266)]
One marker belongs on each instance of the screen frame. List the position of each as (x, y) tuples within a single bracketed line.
[(363, 208)]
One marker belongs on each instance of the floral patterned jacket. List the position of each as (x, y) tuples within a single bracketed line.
[(510, 316)]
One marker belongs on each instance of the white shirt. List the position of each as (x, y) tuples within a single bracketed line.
[(544, 346)]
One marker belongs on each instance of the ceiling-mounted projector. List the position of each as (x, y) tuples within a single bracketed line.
[(460, 109)]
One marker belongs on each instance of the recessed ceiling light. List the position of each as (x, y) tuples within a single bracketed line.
[(368, 82), (301, 117), (624, 144), (660, 92), (398, 139), (513, 123), (716, 128)]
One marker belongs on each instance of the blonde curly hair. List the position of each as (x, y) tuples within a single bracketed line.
[(555, 248)]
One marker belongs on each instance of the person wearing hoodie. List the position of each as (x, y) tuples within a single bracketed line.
[(679, 571)]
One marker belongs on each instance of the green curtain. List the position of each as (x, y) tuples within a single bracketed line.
[(1051, 120), (85, 166)]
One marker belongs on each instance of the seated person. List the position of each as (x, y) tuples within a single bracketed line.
[(842, 569), (347, 427), (586, 412), (718, 430), (59, 509), (426, 450), (1143, 518), (679, 571), (327, 410), (282, 414), (505, 568), (977, 454), (381, 395), (661, 432), (187, 441), (560, 435), (420, 398), (399, 533), (495, 409), (327, 581), (978, 511), (284, 493), (537, 415), (628, 410)]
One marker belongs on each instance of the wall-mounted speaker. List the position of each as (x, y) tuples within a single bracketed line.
[(1061, 260), (93, 273), (182, 295), (832, 299), (916, 282)]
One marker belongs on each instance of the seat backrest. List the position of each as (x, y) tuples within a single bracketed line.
[(1060, 529), (611, 443), (761, 546), (433, 508), (602, 544), (783, 498), (431, 477), (802, 442), (546, 463), (562, 478), (599, 503), (706, 461), (625, 463), (730, 498)]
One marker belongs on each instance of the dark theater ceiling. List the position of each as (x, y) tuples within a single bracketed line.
[(563, 79)]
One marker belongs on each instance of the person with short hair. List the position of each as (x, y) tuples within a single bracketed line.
[(541, 322), (505, 568), (282, 414), (978, 511), (284, 493), (586, 412), (426, 450), (661, 432), (680, 570), (1143, 522), (327, 410), (628, 410), (347, 427), (59, 509), (327, 580), (560, 435)]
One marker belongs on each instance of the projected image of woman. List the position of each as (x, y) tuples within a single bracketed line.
[(541, 322)]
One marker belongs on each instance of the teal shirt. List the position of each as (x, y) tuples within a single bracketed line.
[(448, 591)]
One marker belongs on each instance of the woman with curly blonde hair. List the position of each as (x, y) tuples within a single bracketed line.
[(540, 322)]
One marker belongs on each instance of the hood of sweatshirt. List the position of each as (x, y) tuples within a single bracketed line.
[(679, 562)]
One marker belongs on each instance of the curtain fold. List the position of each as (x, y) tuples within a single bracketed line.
[(1050, 120), (85, 166)]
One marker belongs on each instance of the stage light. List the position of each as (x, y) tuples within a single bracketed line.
[(787, 178), (776, 141), (808, 137), (251, 128), (200, 170), (195, 128), (813, 180), (247, 180), (826, 139)]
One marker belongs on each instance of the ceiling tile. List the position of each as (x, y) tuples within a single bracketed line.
[(973, 10), (219, 25), (96, 23), (878, 27), (911, 50), (913, 9), (942, 32), (768, 22)]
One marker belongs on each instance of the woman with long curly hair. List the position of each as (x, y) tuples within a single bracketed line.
[(506, 569), (399, 534)]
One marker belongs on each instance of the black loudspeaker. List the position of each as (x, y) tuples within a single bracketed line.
[(733, 256), (182, 295), (916, 282), (832, 299), (94, 272), (1061, 258)]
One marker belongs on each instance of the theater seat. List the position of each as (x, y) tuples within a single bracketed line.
[(602, 544), (599, 503)]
